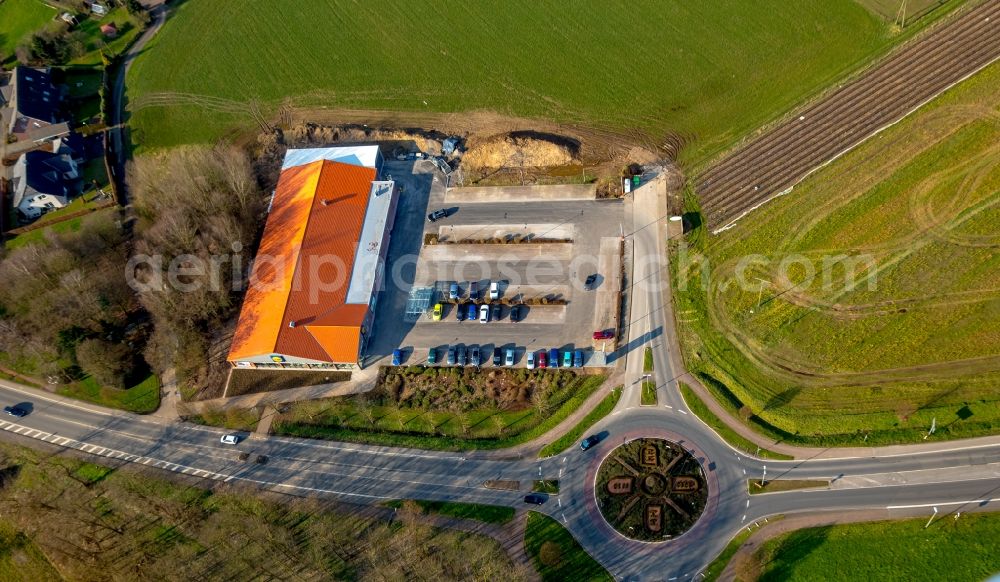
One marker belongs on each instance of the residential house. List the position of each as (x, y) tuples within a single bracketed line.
[(44, 181), (36, 103)]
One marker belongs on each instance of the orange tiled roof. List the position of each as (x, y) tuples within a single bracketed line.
[(303, 267)]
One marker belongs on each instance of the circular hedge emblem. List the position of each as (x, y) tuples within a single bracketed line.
[(651, 490)]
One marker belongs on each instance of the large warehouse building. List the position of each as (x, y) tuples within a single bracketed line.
[(315, 280)]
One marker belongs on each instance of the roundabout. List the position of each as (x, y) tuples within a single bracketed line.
[(650, 489)]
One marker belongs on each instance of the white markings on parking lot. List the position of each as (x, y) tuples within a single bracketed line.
[(564, 518)]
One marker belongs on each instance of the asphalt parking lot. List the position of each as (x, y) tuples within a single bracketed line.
[(583, 232)]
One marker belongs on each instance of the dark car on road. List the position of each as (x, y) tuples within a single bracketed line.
[(515, 313), (534, 498), (17, 411), (589, 283), (437, 215), (497, 356), (589, 442)]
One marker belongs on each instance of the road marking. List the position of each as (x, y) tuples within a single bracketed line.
[(559, 501), (681, 411), (668, 406), (744, 471), (921, 505), (560, 473), (564, 518), (744, 517)]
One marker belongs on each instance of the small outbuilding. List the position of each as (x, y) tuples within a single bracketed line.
[(109, 30)]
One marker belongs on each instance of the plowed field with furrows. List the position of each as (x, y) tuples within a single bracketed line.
[(773, 162)]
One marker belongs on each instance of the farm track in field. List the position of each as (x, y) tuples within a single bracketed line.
[(772, 163)]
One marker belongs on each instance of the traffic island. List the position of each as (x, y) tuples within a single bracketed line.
[(650, 490)]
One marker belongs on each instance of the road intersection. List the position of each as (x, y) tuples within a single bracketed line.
[(372, 474)]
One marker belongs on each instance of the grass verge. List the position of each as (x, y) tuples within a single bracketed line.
[(142, 398), (722, 429), (950, 549), (777, 485), (712, 572), (647, 360), (556, 555), (600, 411), (443, 430), (648, 397), (479, 512), (550, 486)]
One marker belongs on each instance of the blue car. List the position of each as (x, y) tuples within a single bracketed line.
[(472, 312), (553, 358), (578, 359), (589, 442), (397, 357)]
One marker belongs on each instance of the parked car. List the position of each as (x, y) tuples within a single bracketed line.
[(554, 358), (530, 362), (604, 334), (474, 356), (484, 314), (578, 359), (16, 411), (495, 290), (473, 290), (453, 291), (515, 313), (534, 498), (438, 310), (541, 360), (589, 283), (495, 312), (432, 356), (460, 312), (230, 439), (509, 360), (472, 312), (437, 215), (461, 355), (397, 357), (497, 356), (589, 442), (451, 356), (567, 359)]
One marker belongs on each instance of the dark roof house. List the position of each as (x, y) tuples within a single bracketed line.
[(35, 100), (44, 181)]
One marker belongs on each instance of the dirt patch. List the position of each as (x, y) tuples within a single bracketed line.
[(520, 149), (255, 381)]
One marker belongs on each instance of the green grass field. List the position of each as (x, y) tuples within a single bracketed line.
[(556, 555), (705, 71), (912, 218), (17, 19), (950, 549)]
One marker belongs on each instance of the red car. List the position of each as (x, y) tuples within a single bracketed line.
[(541, 359), (605, 334)]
